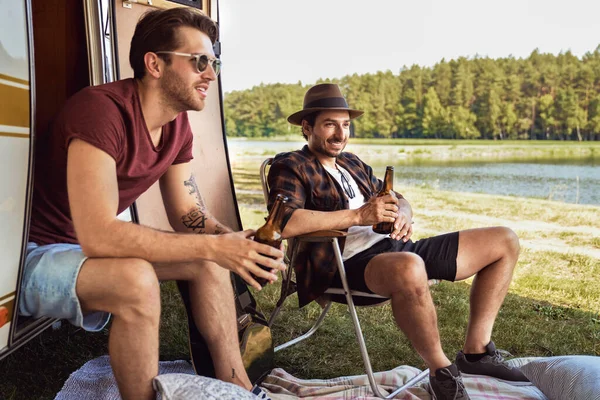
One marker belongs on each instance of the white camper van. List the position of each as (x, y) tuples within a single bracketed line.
[(50, 49)]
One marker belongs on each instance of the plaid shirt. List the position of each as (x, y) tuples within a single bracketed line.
[(302, 178)]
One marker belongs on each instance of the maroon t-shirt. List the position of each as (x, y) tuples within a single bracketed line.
[(110, 118)]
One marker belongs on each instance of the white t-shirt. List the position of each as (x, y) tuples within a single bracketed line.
[(359, 237)]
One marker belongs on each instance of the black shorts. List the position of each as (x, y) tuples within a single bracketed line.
[(438, 252)]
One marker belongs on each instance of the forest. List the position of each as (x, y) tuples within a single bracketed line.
[(541, 97)]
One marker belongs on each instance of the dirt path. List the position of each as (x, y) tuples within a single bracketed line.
[(542, 244)]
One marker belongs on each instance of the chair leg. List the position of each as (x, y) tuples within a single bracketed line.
[(274, 313), (355, 321), (410, 383), (285, 285), (359, 335), (309, 333), (285, 292)]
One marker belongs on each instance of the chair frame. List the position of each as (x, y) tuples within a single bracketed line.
[(331, 237)]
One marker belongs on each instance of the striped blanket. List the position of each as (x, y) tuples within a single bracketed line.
[(283, 386)]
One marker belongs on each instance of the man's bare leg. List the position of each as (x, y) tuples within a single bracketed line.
[(211, 295), (491, 254), (127, 288), (402, 276)]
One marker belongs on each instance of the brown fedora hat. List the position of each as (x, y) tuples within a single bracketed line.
[(323, 97)]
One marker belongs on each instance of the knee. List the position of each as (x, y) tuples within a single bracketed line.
[(141, 299), (510, 241), (408, 276), (210, 273)]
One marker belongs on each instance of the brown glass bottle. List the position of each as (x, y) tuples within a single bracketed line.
[(388, 187), (270, 232)]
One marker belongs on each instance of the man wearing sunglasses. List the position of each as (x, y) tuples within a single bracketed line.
[(328, 188), (109, 144)]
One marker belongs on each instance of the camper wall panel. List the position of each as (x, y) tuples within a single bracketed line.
[(14, 163), (13, 95), (7, 305), (4, 332), (14, 153)]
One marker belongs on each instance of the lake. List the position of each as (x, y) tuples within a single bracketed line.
[(574, 180)]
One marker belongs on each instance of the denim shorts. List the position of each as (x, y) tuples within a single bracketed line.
[(48, 286)]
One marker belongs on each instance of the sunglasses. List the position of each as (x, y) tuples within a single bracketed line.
[(346, 185), (202, 60)]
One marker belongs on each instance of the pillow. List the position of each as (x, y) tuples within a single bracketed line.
[(193, 387), (566, 377)]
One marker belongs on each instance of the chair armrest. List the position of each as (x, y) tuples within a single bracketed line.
[(320, 236)]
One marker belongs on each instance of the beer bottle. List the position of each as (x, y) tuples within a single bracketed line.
[(388, 187), (270, 232)]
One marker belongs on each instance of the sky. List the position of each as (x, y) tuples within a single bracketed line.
[(286, 41)]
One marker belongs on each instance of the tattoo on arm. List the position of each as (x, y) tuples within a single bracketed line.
[(195, 220), (193, 188), (232, 373)]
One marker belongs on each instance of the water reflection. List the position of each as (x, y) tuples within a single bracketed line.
[(571, 180)]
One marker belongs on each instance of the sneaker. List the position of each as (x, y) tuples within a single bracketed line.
[(492, 364), (447, 384), (258, 392)]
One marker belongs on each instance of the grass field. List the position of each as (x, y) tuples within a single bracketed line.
[(553, 306)]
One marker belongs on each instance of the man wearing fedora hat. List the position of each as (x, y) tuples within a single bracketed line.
[(332, 189)]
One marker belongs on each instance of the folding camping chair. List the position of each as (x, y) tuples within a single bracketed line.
[(287, 288)]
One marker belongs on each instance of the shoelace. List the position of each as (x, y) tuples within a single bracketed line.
[(499, 356), (449, 384)]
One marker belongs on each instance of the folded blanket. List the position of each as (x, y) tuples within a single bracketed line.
[(283, 386), (188, 387), (95, 380)]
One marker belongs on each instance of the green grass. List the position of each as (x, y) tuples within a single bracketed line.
[(553, 305)]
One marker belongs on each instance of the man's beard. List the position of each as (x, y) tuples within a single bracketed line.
[(177, 95), (322, 148)]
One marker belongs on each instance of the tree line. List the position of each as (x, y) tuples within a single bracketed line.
[(544, 96)]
